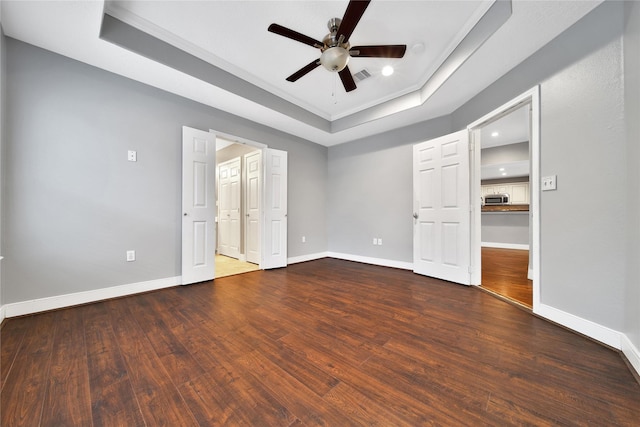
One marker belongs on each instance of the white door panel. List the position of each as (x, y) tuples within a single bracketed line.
[(229, 208), (441, 200), (198, 205), (253, 171), (275, 209)]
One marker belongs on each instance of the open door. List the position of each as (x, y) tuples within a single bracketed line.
[(274, 253), (253, 205), (229, 200), (198, 205), (441, 230)]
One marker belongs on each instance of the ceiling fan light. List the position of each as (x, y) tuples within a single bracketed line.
[(335, 58)]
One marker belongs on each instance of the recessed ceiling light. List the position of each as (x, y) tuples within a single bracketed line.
[(501, 169), (494, 134), (504, 174), (387, 70)]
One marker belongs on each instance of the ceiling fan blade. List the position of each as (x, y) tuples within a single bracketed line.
[(294, 35), (347, 79), (351, 17), (304, 70), (383, 51)]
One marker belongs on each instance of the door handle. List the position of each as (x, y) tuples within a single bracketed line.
[(415, 215), (184, 214)]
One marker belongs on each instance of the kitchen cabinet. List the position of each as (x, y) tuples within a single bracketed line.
[(517, 191)]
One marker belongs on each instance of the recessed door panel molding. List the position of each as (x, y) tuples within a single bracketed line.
[(442, 221), (199, 243), (253, 170), (198, 205), (229, 217)]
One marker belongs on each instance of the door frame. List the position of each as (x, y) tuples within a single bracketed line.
[(264, 236), (532, 97)]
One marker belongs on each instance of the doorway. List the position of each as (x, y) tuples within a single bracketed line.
[(505, 236), (238, 196), (504, 184)]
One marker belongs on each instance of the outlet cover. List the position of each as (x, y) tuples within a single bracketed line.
[(132, 156), (549, 183), (131, 256)]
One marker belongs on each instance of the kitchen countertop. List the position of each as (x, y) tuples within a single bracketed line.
[(506, 208)]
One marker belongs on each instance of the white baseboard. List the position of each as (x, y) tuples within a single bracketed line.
[(631, 352), (375, 261), (519, 246), (586, 327), (2, 313), (68, 300), (530, 274), (305, 258)]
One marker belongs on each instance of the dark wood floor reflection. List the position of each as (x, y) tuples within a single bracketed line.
[(325, 342), (504, 272)]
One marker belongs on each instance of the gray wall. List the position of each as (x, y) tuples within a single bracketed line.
[(370, 192), (3, 92), (505, 227), (583, 142), (632, 113), (505, 153), (74, 205)]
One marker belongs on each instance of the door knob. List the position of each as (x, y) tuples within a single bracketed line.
[(184, 214), (415, 215)]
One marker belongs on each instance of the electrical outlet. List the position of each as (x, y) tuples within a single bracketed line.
[(549, 183), (380, 241), (132, 156), (375, 241), (304, 239), (131, 256)]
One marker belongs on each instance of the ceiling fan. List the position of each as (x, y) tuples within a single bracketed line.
[(335, 46)]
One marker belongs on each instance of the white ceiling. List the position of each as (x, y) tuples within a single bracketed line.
[(232, 36), (509, 129)]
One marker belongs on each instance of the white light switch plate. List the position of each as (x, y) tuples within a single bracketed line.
[(131, 256), (549, 183), (132, 156)]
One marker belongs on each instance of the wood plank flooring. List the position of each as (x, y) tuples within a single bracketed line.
[(325, 342), (504, 272)]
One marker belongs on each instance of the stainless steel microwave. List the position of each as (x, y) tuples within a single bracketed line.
[(496, 199)]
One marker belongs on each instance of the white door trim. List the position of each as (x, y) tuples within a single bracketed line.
[(531, 96)]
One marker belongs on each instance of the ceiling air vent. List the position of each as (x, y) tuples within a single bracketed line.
[(361, 75)]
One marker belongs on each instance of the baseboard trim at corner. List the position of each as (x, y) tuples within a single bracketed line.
[(585, 327), (631, 352), (519, 246), (374, 261), (61, 301), (2, 313), (305, 258)]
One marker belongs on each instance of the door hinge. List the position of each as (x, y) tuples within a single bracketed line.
[(471, 145)]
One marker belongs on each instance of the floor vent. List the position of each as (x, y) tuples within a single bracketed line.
[(361, 75)]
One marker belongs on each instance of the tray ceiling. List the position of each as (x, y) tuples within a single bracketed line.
[(454, 51)]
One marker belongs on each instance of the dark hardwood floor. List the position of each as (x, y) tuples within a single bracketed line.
[(326, 342), (504, 272)]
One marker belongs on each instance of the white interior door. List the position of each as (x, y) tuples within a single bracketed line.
[(198, 205), (229, 199), (275, 209), (441, 231), (253, 183)]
